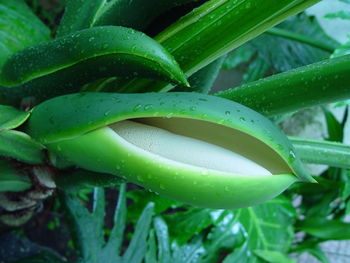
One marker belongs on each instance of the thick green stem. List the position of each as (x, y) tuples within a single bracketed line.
[(280, 32), (319, 83), (322, 152)]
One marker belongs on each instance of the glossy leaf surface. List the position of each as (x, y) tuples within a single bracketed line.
[(191, 40), (85, 56)]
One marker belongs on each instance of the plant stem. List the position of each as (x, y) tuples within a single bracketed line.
[(322, 152), (319, 83), (280, 32)]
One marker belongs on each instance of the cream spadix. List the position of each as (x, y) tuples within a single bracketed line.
[(197, 149), (185, 149)]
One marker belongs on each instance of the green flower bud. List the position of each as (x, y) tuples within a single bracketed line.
[(198, 149)]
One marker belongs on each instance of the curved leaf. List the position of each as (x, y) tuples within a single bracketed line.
[(85, 56)]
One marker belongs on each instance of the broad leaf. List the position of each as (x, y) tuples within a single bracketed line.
[(268, 226)]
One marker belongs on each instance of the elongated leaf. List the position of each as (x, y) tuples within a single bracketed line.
[(319, 83), (19, 28), (20, 146), (326, 229), (191, 39), (322, 152), (11, 118), (137, 248), (83, 57), (11, 180), (334, 127)]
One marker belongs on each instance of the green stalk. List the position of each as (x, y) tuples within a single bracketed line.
[(322, 152), (316, 84), (280, 32), (214, 29)]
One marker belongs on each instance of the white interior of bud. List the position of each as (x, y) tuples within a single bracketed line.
[(202, 144)]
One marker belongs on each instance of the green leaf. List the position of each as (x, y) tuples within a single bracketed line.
[(325, 229), (334, 127), (185, 225), (191, 41), (322, 152), (11, 180), (161, 230), (171, 252), (83, 57), (268, 226), (295, 89), (343, 14), (273, 256), (11, 118), (88, 230), (140, 198), (19, 28), (137, 248), (226, 234), (20, 146)]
